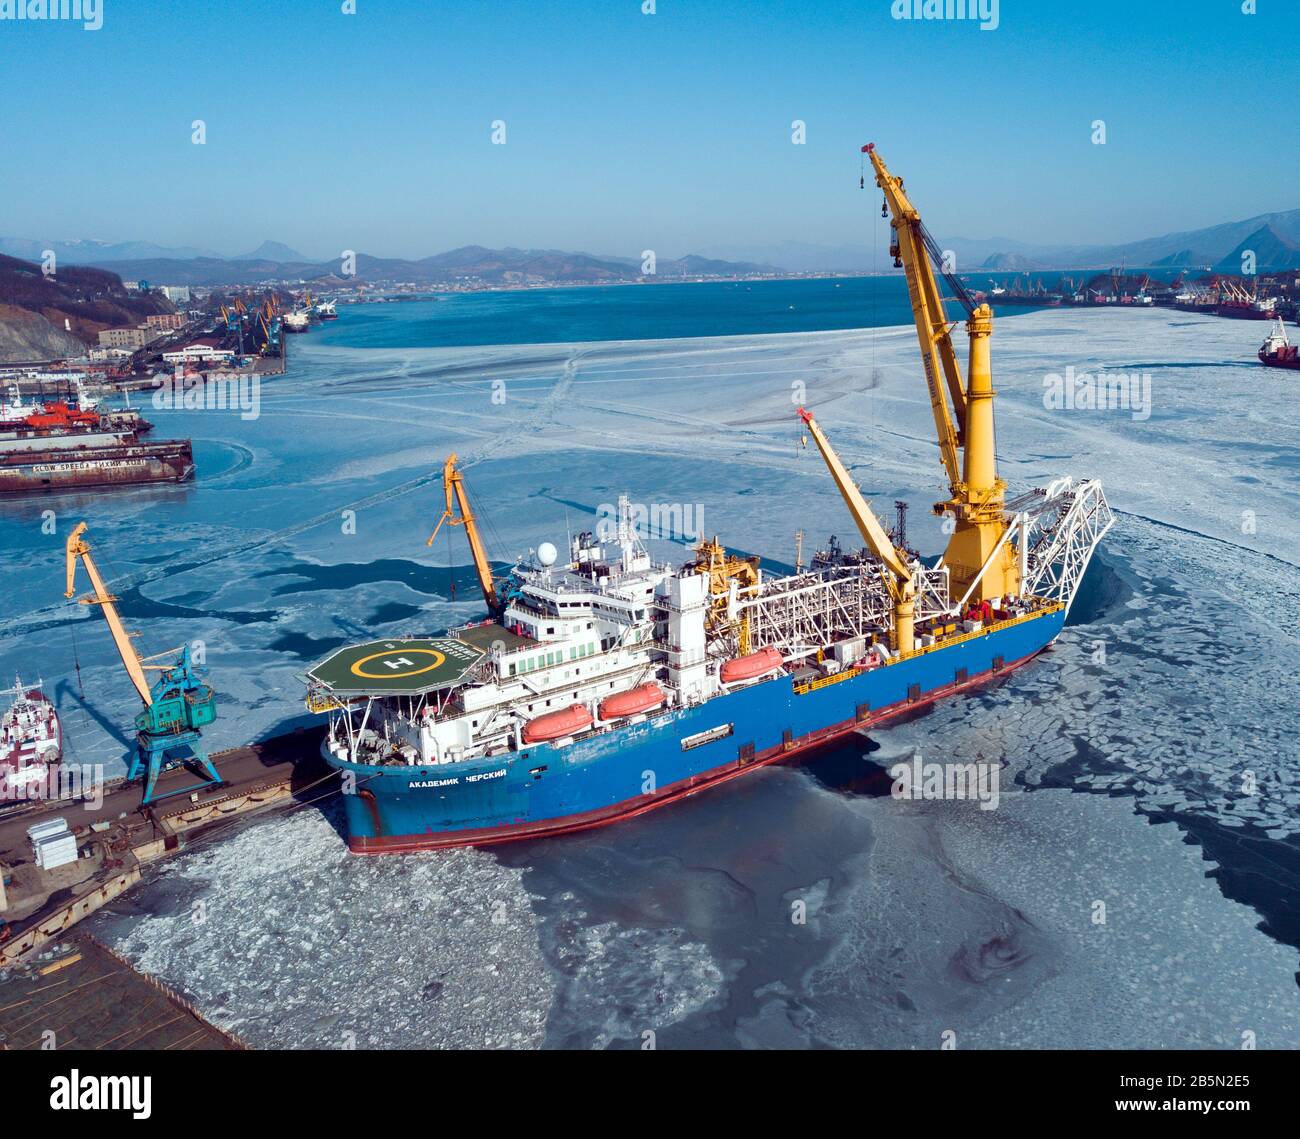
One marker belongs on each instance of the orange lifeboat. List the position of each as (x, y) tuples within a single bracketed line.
[(644, 698), (554, 725), (748, 667)]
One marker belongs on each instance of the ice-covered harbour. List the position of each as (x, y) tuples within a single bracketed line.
[(1175, 686)]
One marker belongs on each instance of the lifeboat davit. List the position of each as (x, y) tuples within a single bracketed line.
[(748, 667), (645, 698), (555, 725)]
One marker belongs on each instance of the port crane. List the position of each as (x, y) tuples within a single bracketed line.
[(453, 485), (176, 706)]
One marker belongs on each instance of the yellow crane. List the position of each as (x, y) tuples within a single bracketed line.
[(176, 707), (981, 562), (78, 547), (453, 484), (899, 578), (724, 568)]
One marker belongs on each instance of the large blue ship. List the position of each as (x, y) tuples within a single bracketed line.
[(605, 684)]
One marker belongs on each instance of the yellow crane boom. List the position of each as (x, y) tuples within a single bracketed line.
[(902, 585), (453, 484), (933, 329), (78, 547), (979, 561), (868, 524)]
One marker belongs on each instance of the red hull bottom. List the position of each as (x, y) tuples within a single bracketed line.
[(517, 832)]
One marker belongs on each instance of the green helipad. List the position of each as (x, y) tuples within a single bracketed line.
[(396, 667)]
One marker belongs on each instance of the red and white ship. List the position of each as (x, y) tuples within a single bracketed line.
[(1235, 301), (1277, 351), (31, 746)]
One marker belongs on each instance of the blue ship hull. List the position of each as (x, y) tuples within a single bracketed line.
[(548, 789)]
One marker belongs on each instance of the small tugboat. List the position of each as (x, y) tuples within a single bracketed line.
[(31, 746), (1277, 351)]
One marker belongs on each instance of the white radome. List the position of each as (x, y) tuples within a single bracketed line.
[(547, 553)]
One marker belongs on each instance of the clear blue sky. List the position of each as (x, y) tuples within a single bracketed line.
[(626, 131)]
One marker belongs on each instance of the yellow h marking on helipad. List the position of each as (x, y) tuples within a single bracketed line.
[(394, 662)]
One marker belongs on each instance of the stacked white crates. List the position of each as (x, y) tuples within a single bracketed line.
[(53, 843)]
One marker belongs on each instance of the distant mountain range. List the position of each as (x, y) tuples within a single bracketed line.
[(471, 262), (88, 251), (1277, 238), (1274, 238), (1273, 251)]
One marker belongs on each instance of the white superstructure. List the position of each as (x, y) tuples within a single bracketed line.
[(611, 636)]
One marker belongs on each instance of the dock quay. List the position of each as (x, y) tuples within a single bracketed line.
[(88, 997), (118, 838)]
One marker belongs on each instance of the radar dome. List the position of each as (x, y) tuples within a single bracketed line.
[(546, 554)]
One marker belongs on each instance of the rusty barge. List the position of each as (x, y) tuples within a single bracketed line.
[(65, 446)]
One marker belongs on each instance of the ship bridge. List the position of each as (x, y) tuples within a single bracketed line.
[(396, 667)]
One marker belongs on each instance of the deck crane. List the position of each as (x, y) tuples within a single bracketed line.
[(176, 706), (899, 573), (453, 484), (981, 562)]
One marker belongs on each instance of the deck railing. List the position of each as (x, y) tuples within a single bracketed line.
[(956, 639)]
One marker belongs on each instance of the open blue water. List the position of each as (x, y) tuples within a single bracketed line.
[(625, 312)]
